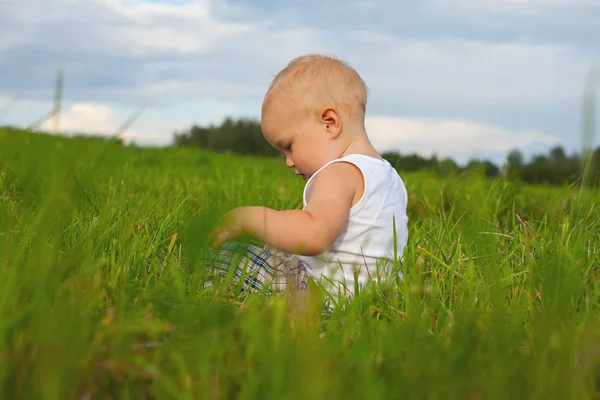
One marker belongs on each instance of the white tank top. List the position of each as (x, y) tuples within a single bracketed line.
[(368, 238)]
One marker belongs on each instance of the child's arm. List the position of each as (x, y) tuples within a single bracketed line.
[(308, 232)]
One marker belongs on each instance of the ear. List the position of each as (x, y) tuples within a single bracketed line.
[(331, 120)]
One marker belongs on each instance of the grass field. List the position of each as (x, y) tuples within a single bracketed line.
[(500, 297)]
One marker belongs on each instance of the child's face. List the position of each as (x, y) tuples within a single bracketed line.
[(304, 142)]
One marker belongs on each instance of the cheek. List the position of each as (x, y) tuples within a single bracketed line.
[(309, 160)]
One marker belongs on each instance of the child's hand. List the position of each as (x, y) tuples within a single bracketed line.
[(229, 227), (309, 231)]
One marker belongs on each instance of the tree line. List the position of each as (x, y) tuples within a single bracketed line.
[(244, 137), (241, 136)]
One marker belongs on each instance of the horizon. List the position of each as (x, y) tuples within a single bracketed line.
[(126, 143)]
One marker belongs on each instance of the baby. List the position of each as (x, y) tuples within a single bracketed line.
[(354, 216)]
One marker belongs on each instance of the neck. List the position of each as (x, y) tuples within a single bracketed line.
[(359, 143)]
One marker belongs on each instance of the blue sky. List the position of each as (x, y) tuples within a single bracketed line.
[(458, 78)]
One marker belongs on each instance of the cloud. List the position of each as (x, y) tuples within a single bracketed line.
[(134, 51), (85, 118), (148, 129), (150, 28), (471, 72), (514, 65), (454, 138), (572, 23)]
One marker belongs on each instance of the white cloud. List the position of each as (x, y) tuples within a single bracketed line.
[(453, 138), (101, 119), (128, 48), (160, 27), (470, 72), (122, 49), (86, 118), (129, 28)]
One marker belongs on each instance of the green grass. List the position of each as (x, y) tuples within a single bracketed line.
[(500, 297)]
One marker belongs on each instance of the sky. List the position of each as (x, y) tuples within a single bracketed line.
[(455, 78)]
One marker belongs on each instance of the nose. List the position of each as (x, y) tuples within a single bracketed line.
[(289, 162)]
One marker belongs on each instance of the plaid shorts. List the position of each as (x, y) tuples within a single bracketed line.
[(260, 268)]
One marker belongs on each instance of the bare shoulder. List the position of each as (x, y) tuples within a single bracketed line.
[(342, 178)]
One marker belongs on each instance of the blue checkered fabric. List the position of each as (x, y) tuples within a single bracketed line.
[(260, 269)]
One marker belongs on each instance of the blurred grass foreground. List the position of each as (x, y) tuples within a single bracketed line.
[(500, 296)]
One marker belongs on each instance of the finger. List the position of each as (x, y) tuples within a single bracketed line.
[(218, 239), (212, 238)]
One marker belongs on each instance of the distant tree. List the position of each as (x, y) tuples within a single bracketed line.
[(448, 167), (490, 169), (556, 168), (486, 167), (557, 154), (242, 136), (539, 170), (393, 158), (515, 158), (560, 168), (595, 165), (514, 164), (411, 162)]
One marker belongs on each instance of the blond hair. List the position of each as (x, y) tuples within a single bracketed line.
[(313, 81)]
